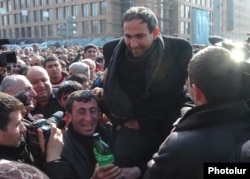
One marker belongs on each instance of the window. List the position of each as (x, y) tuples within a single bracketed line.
[(10, 33), (36, 32), (43, 2), (182, 11), (23, 5), (66, 11), (11, 19), (28, 3), (85, 10), (45, 15), (17, 35), (103, 27), (94, 9), (50, 30), (182, 30), (50, 14), (94, 26), (74, 10), (103, 7), (187, 13), (59, 13), (43, 31), (4, 19), (16, 4), (24, 18), (22, 32), (16, 19), (36, 16), (36, 3), (85, 27), (29, 32), (49, 1), (9, 5)]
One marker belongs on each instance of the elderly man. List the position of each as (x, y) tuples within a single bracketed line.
[(19, 86), (79, 67)]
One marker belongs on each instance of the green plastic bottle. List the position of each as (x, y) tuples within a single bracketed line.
[(102, 151)]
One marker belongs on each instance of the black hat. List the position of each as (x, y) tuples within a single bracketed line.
[(90, 46)]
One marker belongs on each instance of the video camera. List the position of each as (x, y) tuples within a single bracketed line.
[(44, 124), (6, 57), (32, 137)]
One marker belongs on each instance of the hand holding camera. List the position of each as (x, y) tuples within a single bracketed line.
[(45, 138), (54, 145)]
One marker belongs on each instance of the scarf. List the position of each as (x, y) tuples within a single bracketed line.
[(116, 99)]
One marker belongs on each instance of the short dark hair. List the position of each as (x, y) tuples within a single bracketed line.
[(216, 73), (68, 87), (143, 13), (80, 95), (8, 104), (50, 58)]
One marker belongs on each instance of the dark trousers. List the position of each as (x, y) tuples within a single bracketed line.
[(133, 148)]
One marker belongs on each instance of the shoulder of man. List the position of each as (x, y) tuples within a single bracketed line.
[(108, 49), (177, 42)]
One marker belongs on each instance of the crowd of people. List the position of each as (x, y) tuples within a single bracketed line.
[(163, 110)]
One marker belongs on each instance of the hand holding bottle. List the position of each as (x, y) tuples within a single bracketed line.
[(109, 171)]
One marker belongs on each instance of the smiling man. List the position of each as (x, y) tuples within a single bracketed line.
[(46, 100), (84, 113)]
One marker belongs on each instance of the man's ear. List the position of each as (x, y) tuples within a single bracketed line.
[(198, 95), (156, 32)]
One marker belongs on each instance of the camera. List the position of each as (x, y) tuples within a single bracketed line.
[(7, 58), (32, 138), (44, 124), (22, 97)]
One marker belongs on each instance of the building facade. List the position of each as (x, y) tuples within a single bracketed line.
[(24, 20)]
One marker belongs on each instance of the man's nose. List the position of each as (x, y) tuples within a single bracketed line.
[(133, 42)]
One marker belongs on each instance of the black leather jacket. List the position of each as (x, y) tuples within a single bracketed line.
[(207, 133)]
